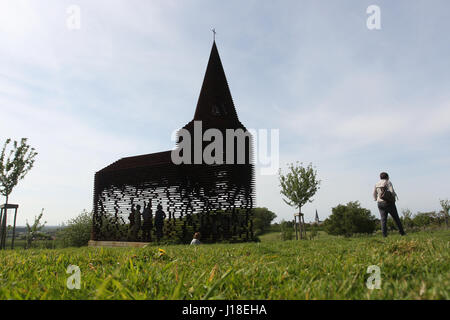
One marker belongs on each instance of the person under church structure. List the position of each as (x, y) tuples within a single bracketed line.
[(213, 199)]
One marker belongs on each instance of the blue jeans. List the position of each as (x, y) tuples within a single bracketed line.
[(384, 209)]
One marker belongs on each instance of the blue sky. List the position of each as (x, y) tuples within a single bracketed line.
[(352, 101)]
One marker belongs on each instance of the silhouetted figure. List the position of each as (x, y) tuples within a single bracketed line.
[(131, 216), (159, 222), (385, 206), (147, 226), (137, 222)]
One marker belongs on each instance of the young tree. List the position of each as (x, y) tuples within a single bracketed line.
[(14, 165), (34, 231), (314, 231), (407, 218), (406, 213), (445, 204), (298, 186)]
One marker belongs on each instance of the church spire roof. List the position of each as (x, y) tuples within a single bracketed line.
[(215, 101)]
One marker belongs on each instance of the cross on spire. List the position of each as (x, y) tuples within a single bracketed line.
[(214, 33)]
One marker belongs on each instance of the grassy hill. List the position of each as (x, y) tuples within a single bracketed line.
[(412, 267)]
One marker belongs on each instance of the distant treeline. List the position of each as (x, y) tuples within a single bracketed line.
[(76, 232), (357, 220)]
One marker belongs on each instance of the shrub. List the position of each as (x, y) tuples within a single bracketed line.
[(113, 228), (262, 218), (286, 230), (424, 219), (314, 231), (349, 219), (77, 232)]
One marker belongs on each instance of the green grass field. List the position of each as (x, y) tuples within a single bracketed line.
[(412, 267)]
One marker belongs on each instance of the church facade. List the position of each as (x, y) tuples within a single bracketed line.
[(152, 197)]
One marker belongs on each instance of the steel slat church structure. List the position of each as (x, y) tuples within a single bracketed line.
[(214, 199)]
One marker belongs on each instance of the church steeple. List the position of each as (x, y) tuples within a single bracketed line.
[(215, 101)]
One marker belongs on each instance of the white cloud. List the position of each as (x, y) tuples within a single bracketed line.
[(362, 111)]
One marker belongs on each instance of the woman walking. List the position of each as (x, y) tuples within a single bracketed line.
[(385, 197)]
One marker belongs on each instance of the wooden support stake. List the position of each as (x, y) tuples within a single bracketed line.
[(14, 229), (295, 227)]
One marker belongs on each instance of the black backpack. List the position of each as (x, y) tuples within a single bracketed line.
[(387, 195)]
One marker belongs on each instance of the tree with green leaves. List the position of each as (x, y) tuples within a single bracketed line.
[(15, 162), (34, 231), (77, 231), (349, 219), (445, 204), (262, 218), (298, 186), (426, 219)]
